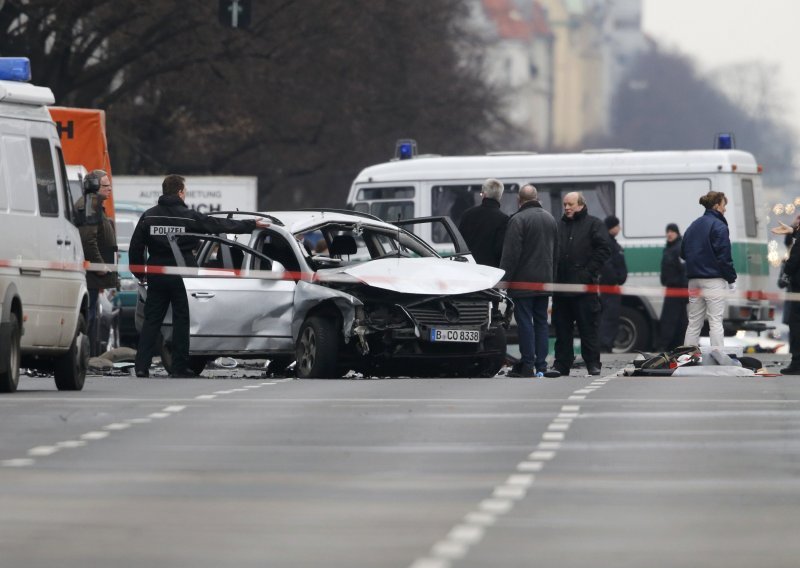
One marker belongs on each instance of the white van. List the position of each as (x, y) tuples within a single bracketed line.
[(646, 190), (43, 297)]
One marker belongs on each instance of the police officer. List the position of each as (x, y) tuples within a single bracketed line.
[(99, 240), (171, 215)]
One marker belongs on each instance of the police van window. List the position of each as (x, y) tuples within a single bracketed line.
[(599, 196), (371, 193), (649, 206), (393, 210), (65, 188), (21, 196), (452, 200), (45, 177), (749, 203)]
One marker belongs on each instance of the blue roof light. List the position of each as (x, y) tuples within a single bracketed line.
[(405, 149), (725, 141), (15, 69)]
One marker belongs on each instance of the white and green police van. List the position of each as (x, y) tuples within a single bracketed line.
[(646, 190)]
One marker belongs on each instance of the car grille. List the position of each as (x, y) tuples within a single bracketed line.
[(451, 313)]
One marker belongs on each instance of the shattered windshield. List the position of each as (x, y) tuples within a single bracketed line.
[(348, 244)]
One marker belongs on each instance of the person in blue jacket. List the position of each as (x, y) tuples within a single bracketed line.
[(706, 248)]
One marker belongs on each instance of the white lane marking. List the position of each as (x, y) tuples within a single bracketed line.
[(584, 391), (520, 480), (577, 397), (570, 408), (542, 455), (450, 550), (205, 397), (18, 462), (496, 506), (562, 420), (568, 415), (252, 386), (174, 408), (71, 444), (117, 426), (549, 445), (557, 426), (530, 466), (159, 415), (553, 436), (223, 392), (468, 534), (268, 384), (94, 435), (43, 451), (509, 492), (485, 519), (238, 390), (431, 563), (139, 420)]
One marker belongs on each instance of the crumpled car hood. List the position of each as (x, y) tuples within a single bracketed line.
[(418, 275)]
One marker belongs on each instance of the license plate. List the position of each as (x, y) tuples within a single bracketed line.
[(455, 335)]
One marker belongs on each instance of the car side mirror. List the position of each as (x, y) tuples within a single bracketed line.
[(278, 267)]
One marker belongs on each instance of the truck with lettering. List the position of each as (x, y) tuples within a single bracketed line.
[(205, 194)]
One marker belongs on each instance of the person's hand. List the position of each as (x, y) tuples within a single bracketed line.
[(782, 229), (261, 224)]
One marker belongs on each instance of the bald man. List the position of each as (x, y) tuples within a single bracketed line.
[(582, 251)]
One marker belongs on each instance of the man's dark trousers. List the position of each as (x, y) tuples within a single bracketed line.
[(161, 292), (584, 310), (673, 322), (531, 316), (611, 305)]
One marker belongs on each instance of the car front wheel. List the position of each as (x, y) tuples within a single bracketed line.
[(9, 378), (317, 349)]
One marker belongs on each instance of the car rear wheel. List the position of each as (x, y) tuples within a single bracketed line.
[(633, 333), (317, 349), (9, 368), (70, 368)]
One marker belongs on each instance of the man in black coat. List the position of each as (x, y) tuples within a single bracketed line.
[(171, 215), (583, 248), (484, 225), (672, 326), (613, 273), (529, 252), (792, 270)]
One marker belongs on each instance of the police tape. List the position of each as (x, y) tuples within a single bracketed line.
[(332, 277)]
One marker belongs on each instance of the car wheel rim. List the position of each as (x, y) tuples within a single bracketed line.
[(626, 336), (308, 343)]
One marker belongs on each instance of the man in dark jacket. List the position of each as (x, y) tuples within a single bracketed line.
[(170, 216), (583, 248), (792, 270), (484, 225), (613, 273), (530, 248), (99, 240), (673, 322)]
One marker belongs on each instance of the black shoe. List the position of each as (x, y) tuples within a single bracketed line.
[(594, 370), (142, 374), (791, 370), (183, 375), (556, 371), (521, 371)]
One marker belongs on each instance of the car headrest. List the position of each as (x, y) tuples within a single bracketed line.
[(343, 244)]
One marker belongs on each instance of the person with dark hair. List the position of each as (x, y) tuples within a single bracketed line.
[(170, 216), (483, 226), (672, 326), (706, 248), (99, 240), (792, 270), (529, 252), (613, 273), (583, 248)]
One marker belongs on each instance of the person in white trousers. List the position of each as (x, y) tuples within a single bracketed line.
[(706, 248)]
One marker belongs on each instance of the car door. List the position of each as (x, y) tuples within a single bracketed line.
[(239, 302), (454, 247)]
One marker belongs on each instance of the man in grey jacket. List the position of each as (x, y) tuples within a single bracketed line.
[(530, 248)]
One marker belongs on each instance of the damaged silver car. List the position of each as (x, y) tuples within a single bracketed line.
[(337, 291)]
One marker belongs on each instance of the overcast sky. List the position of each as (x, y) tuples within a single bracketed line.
[(719, 32)]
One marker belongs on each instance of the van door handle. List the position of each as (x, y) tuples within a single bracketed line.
[(30, 271), (203, 294), (59, 242), (67, 243)]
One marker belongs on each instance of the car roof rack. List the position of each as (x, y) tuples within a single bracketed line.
[(230, 214), (346, 212)]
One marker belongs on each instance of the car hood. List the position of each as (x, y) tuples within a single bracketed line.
[(418, 275)]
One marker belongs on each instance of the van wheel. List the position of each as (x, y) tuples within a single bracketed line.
[(9, 368), (70, 368), (633, 333), (317, 349)]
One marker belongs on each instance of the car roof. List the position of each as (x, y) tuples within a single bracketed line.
[(298, 221)]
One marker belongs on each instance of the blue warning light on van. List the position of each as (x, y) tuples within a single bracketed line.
[(725, 141), (405, 149), (15, 69)]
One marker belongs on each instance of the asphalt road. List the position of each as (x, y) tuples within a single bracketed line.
[(568, 472)]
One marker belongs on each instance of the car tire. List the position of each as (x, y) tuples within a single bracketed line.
[(9, 368), (317, 349), (493, 363), (70, 368), (633, 333)]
